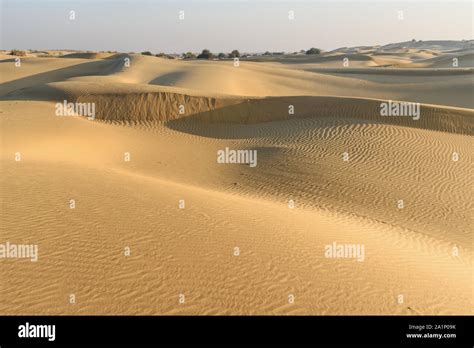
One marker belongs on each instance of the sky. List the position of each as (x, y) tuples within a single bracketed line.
[(221, 26)]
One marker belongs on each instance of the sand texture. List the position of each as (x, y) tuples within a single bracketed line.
[(237, 247)]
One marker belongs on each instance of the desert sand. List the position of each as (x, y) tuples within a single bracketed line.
[(238, 246)]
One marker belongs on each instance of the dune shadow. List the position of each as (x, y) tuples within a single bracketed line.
[(168, 79), (229, 120), (278, 129)]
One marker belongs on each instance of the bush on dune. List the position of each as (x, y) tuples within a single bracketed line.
[(205, 54), (188, 55), (234, 54), (19, 53), (313, 51)]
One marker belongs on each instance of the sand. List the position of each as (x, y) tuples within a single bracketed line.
[(236, 247)]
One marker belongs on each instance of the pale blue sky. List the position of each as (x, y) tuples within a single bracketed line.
[(250, 26)]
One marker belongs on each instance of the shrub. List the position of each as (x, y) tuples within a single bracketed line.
[(313, 51), (189, 55), (221, 55), (19, 53), (147, 53), (234, 54), (205, 54)]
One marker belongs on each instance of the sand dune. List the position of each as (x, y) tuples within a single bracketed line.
[(88, 55), (437, 45), (344, 166), (447, 86)]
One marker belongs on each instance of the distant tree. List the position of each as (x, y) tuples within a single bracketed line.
[(189, 55), (234, 54), (267, 53), (221, 55), (19, 53), (147, 53), (205, 54), (313, 51)]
